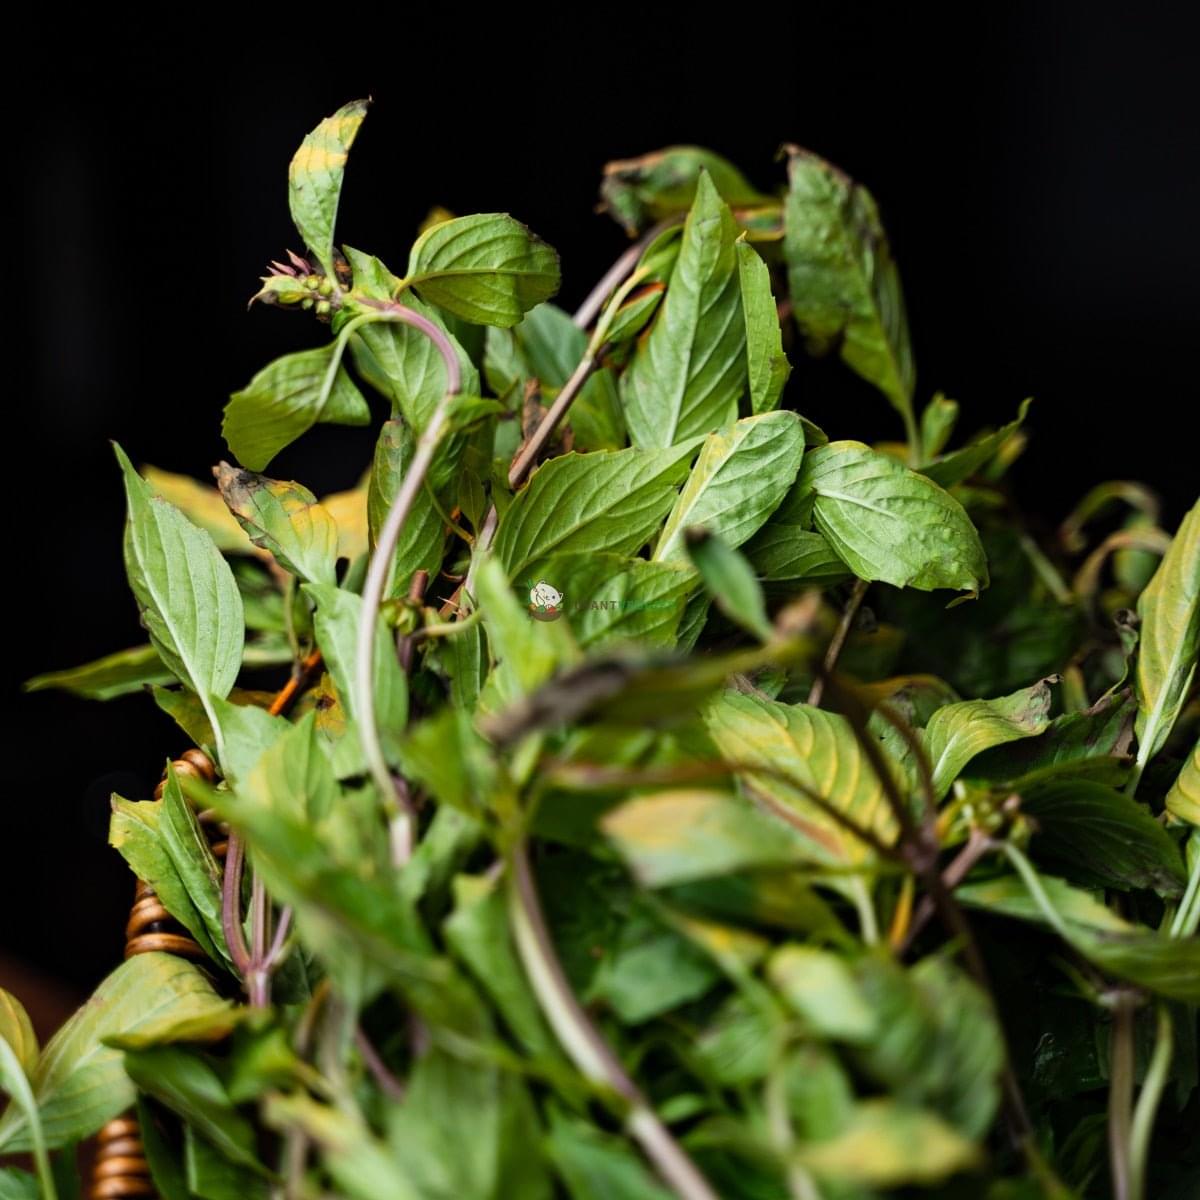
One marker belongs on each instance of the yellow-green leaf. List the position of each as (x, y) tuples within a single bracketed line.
[(1183, 800), (1169, 609), (17, 1030), (315, 179), (284, 519)]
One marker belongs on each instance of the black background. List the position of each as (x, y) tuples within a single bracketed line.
[(1036, 167)]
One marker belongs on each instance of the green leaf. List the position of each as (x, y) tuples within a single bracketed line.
[(598, 1166), (495, 1162), (283, 519), (80, 1082), (739, 479), (15, 1083), (650, 971), (1183, 800), (610, 501), (1089, 743), (888, 1144), (730, 581), (188, 1085), (193, 860), (673, 837), (134, 831), (789, 554), (1169, 609), (211, 1176), (777, 743), (962, 464), (336, 627), (1101, 838), (423, 539), (478, 933), (248, 730), (638, 191), (611, 599), (16, 1184), (118, 674), (362, 1166), (767, 364), (293, 775), (820, 988), (401, 363), (937, 424), (1007, 896), (487, 268), (889, 523), (286, 399), (958, 732), (189, 602), (843, 282), (1167, 965), (17, 1030), (524, 652), (315, 179), (690, 370)]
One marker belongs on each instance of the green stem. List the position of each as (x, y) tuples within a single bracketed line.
[(1188, 915), (582, 1041), (1147, 1104), (868, 925)]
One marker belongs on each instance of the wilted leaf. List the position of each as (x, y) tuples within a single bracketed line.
[(17, 1030), (673, 837), (284, 519), (887, 1144), (690, 370), (844, 285), (638, 191), (201, 503)]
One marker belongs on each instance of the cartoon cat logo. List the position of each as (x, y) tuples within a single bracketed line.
[(545, 602)]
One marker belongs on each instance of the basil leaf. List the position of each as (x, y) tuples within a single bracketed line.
[(820, 752), (1169, 609), (284, 519), (118, 674), (286, 399), (189, 602), (487, 268), (690, 370), (891, 524), (79, 1082), (767, 364), (958, 732), (315, 179), (844, 284), (739, 479), (1183, 800), (611, 500)]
